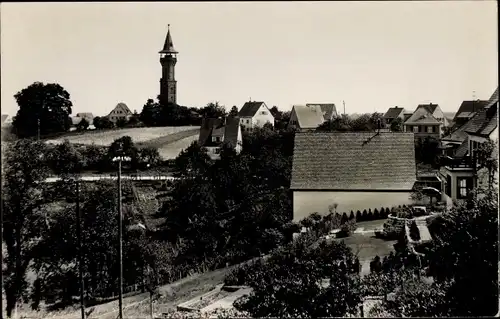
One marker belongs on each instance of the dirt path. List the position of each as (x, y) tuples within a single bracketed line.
[(171, 138)]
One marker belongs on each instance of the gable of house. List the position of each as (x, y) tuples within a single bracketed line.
[(329, 110), (121, 109), (308, 117), (353, 161), (208, 126), (394, 112), (422, 116), (228, 132), (249, 109)]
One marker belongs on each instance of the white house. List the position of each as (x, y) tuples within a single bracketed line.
[(460, 172), (308, 117), (255, 114), (355, 170), (216, 132), (121, 111)]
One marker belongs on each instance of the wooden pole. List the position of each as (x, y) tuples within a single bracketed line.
[(120, 220), (80, 250)]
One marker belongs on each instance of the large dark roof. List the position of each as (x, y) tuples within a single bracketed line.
[(353, 161), (469, 108), (393, 112), (493, 99), (329, 110), (484, 122), (250, 108), (210, 126)]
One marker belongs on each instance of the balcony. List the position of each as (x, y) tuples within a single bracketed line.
[(458, 163)]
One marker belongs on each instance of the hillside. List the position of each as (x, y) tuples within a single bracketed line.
[(155, 135)]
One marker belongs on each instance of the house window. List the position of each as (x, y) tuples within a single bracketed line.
[(464, 186), (263, 113), (416, 129), (433, 129), (448, 185), (217, 151), (248, 121), (430, 129), (216, 139)]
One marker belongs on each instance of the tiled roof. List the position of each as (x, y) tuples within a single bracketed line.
[(353, 161), (216, 127), (393, 112), (430, 107), (422, 115), (249, 109), (468, 108), (493, 99), (329, 110), (484, 122), (85, 114), (309, 116)]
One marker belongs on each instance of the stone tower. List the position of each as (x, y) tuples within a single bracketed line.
[(168, 59)]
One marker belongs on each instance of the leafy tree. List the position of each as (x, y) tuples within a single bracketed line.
[(103, 122), (134, 120), (340, 123), (124, 146), (83, 125), (23, 195), (65, 159), (397, 125), (94, 157), (427, 150), (465, 254), (234, 111), (304, 281), (193, 161), (213, 110), (48, 103), (151, 113), (121, 122), (149, 156)]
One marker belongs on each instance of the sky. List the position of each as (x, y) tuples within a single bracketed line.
[(372, 55)]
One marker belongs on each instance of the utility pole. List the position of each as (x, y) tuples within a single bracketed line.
[(120, 236), (119, 159), (343, 102), (80, 250)]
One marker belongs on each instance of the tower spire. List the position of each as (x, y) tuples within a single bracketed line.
[(168, 47)]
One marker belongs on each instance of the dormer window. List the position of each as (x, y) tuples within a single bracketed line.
[(216, 139)]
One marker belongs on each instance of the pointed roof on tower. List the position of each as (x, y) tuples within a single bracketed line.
[(168, 47)]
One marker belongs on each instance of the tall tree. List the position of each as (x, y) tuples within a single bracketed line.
[(64, 159), (151, 113), (234, 111), (397, 125), (49, 104), (23, 196), (213, 110)]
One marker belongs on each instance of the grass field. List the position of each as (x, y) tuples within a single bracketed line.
[(139, 135), (171, 150)]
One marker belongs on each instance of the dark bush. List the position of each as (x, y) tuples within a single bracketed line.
[(344, 218), (351, 216), (414, 232), (347, 228), (365, 215), (376, 214), (358, 216), (370, 214), (376, 264)]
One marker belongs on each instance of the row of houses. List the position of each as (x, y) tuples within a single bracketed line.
[(367, 170)]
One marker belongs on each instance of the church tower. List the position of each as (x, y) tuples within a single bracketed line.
[(168, 59)]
